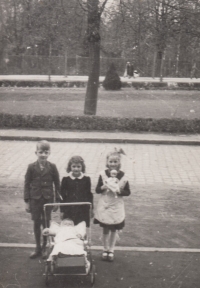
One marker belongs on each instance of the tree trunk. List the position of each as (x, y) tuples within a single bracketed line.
[(154, 64), (162, 66), (93, 35), (65, 68), (49, 68), (178, 57)]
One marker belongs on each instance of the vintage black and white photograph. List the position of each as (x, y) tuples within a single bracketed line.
[(100, 143)]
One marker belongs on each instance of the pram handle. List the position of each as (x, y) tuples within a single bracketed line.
[(65, 204), (68, 204)]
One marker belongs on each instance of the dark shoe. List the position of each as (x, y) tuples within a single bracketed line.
[(35, 254)]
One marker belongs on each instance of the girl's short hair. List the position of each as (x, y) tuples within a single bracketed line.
[(43, 145), (76, 160)]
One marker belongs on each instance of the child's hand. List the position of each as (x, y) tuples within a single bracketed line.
[(103, 187), (27, 207), (79, 236), (45, 232), (62, 215)]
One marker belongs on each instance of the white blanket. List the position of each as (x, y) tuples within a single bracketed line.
[(68, 239)]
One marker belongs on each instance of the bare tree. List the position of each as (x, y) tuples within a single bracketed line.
[(94, 11)]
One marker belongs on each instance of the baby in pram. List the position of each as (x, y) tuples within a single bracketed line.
[(68, 239)]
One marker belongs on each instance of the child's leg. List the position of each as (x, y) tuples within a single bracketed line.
[(45, 237), (105, 238), (112, 242), (45, 224), (37, 233), (44, 244)]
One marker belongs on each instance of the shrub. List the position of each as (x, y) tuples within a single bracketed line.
[(112, 80), (100, 123), (135, 84)]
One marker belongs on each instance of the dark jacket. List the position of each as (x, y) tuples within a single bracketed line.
[(130, 70), (76, 190), (40, 183)]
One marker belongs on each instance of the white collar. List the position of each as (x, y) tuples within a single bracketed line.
[(72, 177)]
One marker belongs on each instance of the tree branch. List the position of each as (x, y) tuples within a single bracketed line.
[(82, 6), (103, 7)]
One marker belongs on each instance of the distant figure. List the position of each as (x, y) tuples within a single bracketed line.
[(132, 70), (194, 71), (129, 69), (136, 74)]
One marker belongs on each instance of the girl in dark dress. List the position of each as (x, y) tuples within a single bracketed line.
[(76, 187)]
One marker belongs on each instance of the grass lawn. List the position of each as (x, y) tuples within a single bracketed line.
[(125, 103)]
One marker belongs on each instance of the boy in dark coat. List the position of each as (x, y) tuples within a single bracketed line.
[(40, 178)]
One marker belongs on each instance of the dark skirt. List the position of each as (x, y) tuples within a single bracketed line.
[(77, 214), (119, 226)]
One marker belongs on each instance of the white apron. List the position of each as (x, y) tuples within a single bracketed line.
[(110, 209)]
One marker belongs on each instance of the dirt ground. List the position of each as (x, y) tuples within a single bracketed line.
[(129, 270), (125, 103), (155, 217)]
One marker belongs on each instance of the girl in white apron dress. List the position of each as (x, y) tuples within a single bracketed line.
[(110, 213)]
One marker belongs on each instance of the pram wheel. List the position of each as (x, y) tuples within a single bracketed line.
[(47, 273), (92, 274)]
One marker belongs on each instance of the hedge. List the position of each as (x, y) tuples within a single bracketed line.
[(97, 123), (59, 84), (136, 85)]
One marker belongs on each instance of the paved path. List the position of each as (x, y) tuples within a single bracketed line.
[(164, 182), (85, 78), (99, 137), (152, 165), (145, 164)]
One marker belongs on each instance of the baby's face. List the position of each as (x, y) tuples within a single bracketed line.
[(113, 173), (67, 222)]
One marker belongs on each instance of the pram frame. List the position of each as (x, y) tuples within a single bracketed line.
[(91, 272)]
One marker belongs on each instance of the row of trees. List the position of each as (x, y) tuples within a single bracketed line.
[(146, 31), (154, 31), (143, 30)]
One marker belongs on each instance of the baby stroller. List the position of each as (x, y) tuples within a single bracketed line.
[(68, 264)]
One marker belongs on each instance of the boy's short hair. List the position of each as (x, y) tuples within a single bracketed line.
[(76, 159), (43, 145)]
